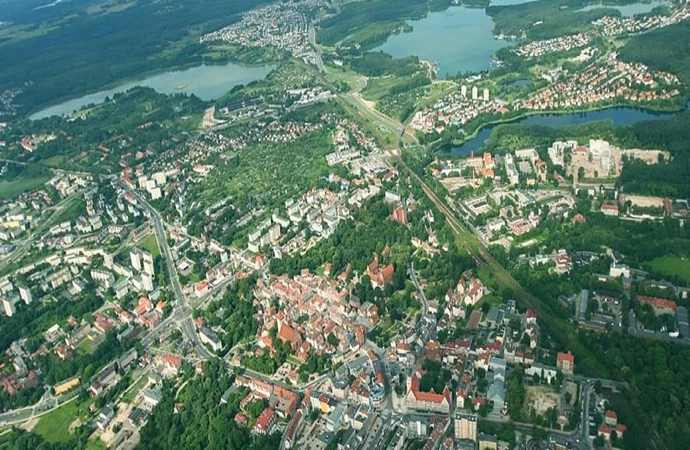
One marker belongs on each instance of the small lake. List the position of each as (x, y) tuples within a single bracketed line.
[(509, 2), (628, 10), (458, 39), (619, 116), (208, 82)]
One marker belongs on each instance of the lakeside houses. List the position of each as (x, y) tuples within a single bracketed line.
[(561, 44), (616, 26), (455, 108), (604, 81), (283, 25)]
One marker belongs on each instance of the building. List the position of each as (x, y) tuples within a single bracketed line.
[(488, 442), (265, 422), (610, 209), (208, 336), (335, 418), (147, 263), (610, 418), (66, 385), (135, 259), (465, 426), (565, 362), (25, 294), (8, 304), (417, 426), (426, 401), (105, 416)]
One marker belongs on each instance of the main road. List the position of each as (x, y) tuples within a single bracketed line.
[(182, 314)]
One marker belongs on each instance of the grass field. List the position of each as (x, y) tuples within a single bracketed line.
[(672, 266), (96, 444), (11, 189), (150, 244), (54, 426)]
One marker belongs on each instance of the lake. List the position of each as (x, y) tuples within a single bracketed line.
[(509, 2), (628, 10), (458, 39), (619, 116), (208, 82)]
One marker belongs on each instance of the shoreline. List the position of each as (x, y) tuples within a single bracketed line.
[(148, 74), (527, 114)]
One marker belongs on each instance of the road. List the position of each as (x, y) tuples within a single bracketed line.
[(182, 311)]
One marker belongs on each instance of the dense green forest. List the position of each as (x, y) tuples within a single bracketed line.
[(203, 423), (83, 51), (356, 15), (377, 64), (554, 18), (665, 48), (659, 378)]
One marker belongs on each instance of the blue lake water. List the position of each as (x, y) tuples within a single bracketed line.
[(458, 39), (208, 82), (619, 116), (628, 10)]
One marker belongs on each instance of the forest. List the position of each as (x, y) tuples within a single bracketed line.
[(659, 378), (555, 18), (663, 49), (355, 16), (203, 423)]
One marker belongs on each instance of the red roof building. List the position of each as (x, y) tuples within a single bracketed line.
[(566, 362), (265, 422)]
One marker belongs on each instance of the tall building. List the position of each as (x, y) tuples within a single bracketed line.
[(146, 282), (465, 426), (108, 260), (147, 261), (8, 305), (25, 294), (475, 93), (463, 91), (486, 94), (135, 258)]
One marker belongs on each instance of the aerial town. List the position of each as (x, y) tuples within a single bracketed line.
[(349, 252)]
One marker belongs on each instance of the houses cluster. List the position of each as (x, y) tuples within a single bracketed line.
[(281, 403), (282, 25), (605, 81), (616, 26), (561, 44), (360, 381), (597, 159), (323, 301), (19, 216), (350, 142), (456, 108), (17, 376), (516, 212)]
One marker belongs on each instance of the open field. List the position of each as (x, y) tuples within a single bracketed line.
[(150, 244), (675, 266), (54, 426), (11, 189)]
